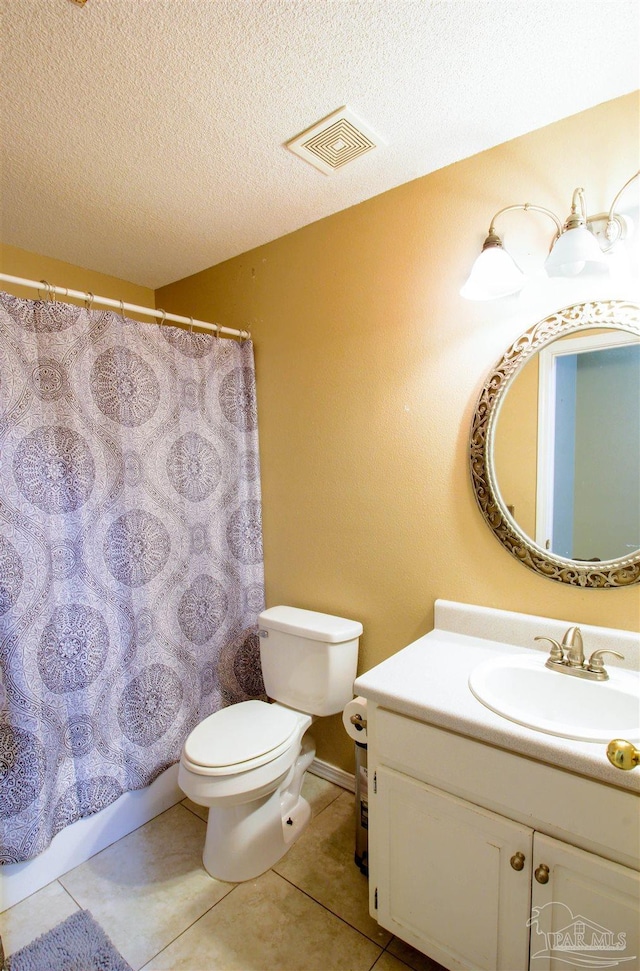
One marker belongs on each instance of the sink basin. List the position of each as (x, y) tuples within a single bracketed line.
[(523, 690)]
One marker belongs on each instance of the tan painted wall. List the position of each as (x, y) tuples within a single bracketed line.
[(32, 266), (368, 368)]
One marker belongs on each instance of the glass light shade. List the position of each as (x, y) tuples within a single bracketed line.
[(494, 274), (576, 251)]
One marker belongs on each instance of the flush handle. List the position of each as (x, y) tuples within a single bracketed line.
[(517, 861), (542, 873)]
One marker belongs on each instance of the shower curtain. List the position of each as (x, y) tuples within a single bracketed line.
[(131, 571)]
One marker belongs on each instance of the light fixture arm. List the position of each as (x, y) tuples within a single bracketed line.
[(527, 206), (614, 226)]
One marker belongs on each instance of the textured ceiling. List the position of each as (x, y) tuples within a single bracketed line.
[(144, 138)]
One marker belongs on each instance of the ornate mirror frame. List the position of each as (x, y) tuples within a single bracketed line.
[(612, 314)]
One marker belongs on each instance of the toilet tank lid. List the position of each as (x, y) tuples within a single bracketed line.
[(310, 623)]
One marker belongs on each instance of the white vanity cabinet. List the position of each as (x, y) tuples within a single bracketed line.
[(461, 833), (441, 878)]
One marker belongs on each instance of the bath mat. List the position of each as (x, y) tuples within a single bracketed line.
[(77, 944)]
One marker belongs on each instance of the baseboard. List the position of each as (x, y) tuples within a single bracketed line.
[(324, 770)]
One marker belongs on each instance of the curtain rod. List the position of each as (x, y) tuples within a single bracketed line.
[(89, 299)]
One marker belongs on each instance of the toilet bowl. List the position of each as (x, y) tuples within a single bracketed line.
[(247, 762)]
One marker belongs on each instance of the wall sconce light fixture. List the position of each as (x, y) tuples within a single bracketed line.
[(575, 248)]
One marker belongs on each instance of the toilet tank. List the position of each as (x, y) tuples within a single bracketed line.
[(309, 659)]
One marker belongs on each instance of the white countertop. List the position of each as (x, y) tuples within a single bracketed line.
[(428, 681)]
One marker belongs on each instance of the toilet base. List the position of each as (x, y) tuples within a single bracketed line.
[(246, 840)]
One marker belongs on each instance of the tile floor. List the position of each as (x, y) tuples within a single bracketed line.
[(161, 909)]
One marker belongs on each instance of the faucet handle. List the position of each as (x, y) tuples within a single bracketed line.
[(596, 664), (556, 654)]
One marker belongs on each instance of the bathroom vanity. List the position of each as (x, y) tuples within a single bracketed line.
[(491, 844)]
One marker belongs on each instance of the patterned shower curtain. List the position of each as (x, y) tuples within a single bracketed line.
[(131, 570)]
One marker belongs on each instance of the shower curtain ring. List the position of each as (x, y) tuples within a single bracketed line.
[(88, 301), (191, 326), (163, 318), (51, 293), (122, 310)]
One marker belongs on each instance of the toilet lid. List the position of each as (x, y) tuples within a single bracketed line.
[(240, 733)]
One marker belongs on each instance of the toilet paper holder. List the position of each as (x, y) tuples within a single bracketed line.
[(358, 722)]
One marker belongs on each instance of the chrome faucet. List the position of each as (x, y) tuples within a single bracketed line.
[(568, 657)]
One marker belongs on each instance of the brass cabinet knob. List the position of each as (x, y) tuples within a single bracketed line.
[(517, 861), (542, 873), (623, 754)]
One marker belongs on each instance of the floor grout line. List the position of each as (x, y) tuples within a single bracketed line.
[(192, 924), (328, 909)]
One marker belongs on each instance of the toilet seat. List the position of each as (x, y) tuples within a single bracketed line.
[(241, 737)]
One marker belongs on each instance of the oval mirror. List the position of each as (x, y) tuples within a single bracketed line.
[(555, 446)]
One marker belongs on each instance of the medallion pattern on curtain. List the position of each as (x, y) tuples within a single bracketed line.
[(131, 571)]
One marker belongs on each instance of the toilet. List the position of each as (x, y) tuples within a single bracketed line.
[(247, 762)]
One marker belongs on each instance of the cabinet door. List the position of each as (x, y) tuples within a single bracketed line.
[(442, 873), (586, 914)]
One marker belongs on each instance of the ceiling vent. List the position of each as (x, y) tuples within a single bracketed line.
[(335, 141)]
